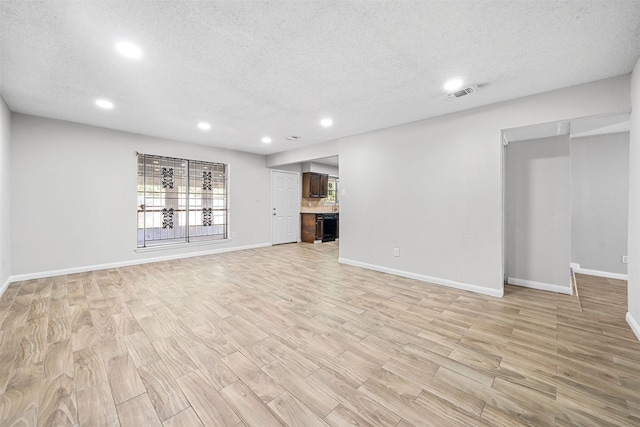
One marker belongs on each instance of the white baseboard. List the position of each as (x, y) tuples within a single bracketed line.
[(540, 285), (633, 323), (423, 278), (599, 273), (5, 285), (83, 269)]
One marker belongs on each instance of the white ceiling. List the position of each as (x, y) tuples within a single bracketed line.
[(256, 68)]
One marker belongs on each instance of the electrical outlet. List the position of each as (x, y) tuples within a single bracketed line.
[(625, 259), (396, 251)]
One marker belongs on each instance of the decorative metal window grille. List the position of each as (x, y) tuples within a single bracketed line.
[(206, 180), (167, 218), (167, 177), (180, 200), (206, 216)]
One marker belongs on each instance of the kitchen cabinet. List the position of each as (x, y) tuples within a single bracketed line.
[(311, 227), (319, 227), (314, 185)]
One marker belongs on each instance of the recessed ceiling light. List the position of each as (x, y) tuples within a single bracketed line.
[(129, 50), (266, 140), (452, 85), (103, 103), (326, 122), (204, 126)]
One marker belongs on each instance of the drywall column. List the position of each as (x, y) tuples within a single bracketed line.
[(5, 197), (538, 213), (599, 203), (633, 315)]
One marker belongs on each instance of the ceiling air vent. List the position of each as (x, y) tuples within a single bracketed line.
[(463, 92), (293, 138)]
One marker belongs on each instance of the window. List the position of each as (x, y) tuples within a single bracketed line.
[(180, 201), (332, 191)]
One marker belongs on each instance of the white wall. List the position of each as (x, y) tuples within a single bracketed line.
[(74, 194), (5, 195), (320, 168), (303, 154), (600, 202), (293, 167), (633, 315), (433, 188), (538, 213)]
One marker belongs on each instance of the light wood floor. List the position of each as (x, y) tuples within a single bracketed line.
[(287, 336)]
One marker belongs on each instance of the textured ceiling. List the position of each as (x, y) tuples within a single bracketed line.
[(277, 67)]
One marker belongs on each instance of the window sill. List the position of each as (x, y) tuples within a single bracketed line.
[(155, 248)]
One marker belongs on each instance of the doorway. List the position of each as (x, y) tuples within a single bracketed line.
[(538, 213), (565, 194), (285, 203)]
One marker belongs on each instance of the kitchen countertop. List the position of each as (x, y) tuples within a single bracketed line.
[(320, 212)]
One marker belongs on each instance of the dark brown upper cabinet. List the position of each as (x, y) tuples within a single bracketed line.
[(314, 184)]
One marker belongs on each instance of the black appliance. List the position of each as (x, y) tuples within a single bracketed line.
[(329, 227)]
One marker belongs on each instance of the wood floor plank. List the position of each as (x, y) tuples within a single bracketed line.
[(20, 401), (58, 329), (260, 383), (124, 379), (211, 365), (139, 309), (343, 417), (354, 400), (58, 360), (141, 349), (83, 333), (7, 360), (137, 412), (58, 405), (96, 407), (295, 413), (248, 406), (205, 400), (31, 348), (451, 364), (153, 328), (89, 368), (164, 392), (401, 405), (177, 361), (301, 389), (256, 351), (186, 418)]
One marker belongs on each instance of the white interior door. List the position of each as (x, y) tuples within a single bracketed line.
[(285, 207)]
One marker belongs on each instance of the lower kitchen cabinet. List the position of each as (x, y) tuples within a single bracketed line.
[(319, 227), (311, 227)]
